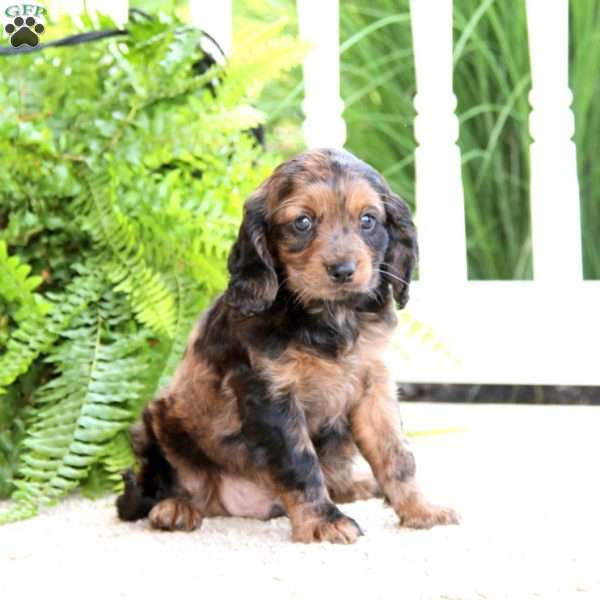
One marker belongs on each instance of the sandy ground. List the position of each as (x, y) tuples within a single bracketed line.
[(525, 480)]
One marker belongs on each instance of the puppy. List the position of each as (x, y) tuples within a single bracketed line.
[(283, 380)]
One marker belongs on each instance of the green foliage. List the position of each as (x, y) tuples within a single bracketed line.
[(585, 66), (124, 173), (99, 367), (115, 232), (491, 82), (413, 337), (17, 286)]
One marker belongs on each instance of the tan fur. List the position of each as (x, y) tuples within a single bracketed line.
[(338, 213), (327, 388), (357, 384), (378, 433), (175, 513), (198, 421)]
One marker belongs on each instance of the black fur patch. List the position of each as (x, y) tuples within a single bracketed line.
[(225, 338), (132, 504), (253, 283), (332, 435), (156, 480), (330, 512), (405, 466), (287, 322), (219, 342), (272, 429)]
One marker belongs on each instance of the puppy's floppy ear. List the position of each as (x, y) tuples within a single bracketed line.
[(402, 251), (253, 284)]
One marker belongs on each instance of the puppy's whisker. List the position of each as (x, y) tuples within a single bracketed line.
[(392, 275), (301, 296), (387, 264), (283, 282), (376, 294)]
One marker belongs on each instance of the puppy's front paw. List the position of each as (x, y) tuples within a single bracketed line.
[(423, 515), (175, 514), (334, 527)]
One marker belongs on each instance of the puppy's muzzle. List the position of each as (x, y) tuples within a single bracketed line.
[(342, 272)]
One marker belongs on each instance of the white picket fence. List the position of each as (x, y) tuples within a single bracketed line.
[(545, 331)]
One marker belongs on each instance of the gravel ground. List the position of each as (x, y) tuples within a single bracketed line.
[(524, 478)]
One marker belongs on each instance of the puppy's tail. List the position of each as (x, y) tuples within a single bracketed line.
[(132, 504), (156, 477)]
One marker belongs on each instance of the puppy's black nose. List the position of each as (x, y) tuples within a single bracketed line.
[(342, 272)]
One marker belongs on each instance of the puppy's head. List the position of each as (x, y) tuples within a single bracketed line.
[(325, 225)]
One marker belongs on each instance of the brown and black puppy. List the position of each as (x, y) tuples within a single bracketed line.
[(283, 379)]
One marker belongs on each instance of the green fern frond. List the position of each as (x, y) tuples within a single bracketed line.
[(19, 511), (17, 286), (151, 300), (189, 304), (117, 458), (23, 347), (190, 299), (133, 206), (263, 54), (412, 336), (105, 474), (37, 334), (76, 416)]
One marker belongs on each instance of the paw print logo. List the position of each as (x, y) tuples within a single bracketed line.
[(24, 31)]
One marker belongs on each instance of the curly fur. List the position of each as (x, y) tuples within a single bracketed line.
[(283, 380)]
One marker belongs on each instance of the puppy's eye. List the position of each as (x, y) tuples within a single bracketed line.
[(367, 222), (303, 224)]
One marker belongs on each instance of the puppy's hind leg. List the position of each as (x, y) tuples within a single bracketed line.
[(177, 513), (193, 493), (357, 486)]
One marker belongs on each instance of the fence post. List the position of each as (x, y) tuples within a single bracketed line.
[(318, 23), (555, 211), (439, 192), (216, 18)]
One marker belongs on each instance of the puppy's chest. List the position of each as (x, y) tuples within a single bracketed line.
[(324, 387)]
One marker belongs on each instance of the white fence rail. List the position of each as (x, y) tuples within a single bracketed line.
[(541, 331)]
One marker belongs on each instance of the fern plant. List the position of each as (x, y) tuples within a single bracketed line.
[(124, 173)]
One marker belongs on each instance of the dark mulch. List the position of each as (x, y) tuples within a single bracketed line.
[(514, 394)]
